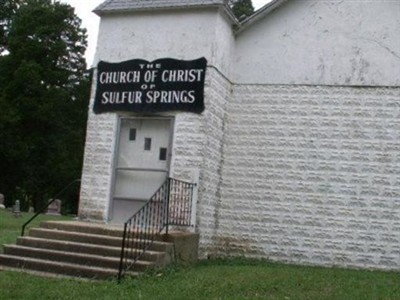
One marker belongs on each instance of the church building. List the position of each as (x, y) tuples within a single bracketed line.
[(287, 123)]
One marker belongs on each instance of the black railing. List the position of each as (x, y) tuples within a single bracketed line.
[(44, 207), (171, 204), (180, 202), (140, 229)]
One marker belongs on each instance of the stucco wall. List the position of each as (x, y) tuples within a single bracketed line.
[(322, 43), (181, 34), (312, 175)]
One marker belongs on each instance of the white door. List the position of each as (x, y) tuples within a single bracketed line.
[(142, 164)]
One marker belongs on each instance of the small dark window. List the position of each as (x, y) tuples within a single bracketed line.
[(163, 153), (147, 144), (132, 134)]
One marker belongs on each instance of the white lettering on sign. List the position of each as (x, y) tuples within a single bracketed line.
[(170, 97), (119, 77), (193, 75), (121, 97)]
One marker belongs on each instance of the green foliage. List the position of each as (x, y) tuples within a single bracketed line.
[(242, 8), (44, 92), (7, 9)]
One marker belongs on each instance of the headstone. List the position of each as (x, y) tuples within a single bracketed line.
[(2, 201), (17, 209), (54, 208)]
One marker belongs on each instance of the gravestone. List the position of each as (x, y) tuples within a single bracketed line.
[(2, 201), (17, 209), (54, 208)]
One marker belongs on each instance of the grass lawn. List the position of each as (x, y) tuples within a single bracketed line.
[(10, 226), (218, 279)]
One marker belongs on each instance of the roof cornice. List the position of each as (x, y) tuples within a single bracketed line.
[(124, 6)]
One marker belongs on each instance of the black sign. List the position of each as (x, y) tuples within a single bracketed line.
[(141, 86)]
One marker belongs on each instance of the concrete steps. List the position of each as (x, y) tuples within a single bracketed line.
[(79, 249), (68, 269), (94, 239), (82, 248)]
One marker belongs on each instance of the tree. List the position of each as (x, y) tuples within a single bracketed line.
[(242, 8), (44, 90), (7, 9)]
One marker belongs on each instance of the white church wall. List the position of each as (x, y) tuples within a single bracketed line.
[(312, 175), (322, 43), (97, 171), (197, 139), (181, 34), (198, 143), (218, 97)]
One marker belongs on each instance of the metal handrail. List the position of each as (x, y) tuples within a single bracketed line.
[(180, 202), (153, 218), (42, 209), (141, 226)]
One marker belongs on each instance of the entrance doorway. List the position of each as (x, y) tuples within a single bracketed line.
[(142, 164)]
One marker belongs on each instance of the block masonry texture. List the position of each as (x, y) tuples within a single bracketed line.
[(198, 145), (97, 171), (311, 174)]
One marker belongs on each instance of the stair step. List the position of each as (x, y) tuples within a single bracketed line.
[(89, 238), (48, 266), (101, 250), (42, 274), (84, 227), (91, 228), (74, 258)]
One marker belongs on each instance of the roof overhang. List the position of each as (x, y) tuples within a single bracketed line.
[(127, 6)]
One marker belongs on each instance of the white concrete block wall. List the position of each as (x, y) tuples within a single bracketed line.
[(198, 144), (218, 95), (312, 175), (97, 165)]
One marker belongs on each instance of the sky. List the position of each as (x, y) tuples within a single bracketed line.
[(90, 21)]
